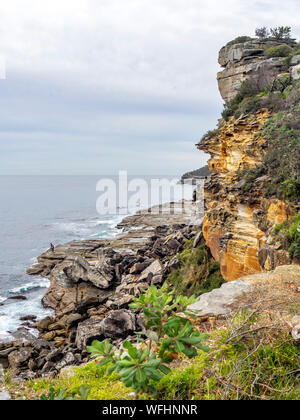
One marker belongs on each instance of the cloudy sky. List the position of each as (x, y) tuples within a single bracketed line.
[(94, 86)]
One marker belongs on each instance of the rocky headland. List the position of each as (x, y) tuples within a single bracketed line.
[(250, 226)]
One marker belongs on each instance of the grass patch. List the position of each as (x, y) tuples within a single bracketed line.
[(102, 387)]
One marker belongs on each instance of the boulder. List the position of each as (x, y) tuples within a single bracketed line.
[(101, 276), (295, 60), (295, 72), (19, 358), (44, 323), (218, 301), (152, 274), (67, 360), (87, 331), (119, 324)]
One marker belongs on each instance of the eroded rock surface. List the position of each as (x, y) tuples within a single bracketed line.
[(244, 61)]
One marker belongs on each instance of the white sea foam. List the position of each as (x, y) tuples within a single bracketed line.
[(12, 311), (2, 299), (41, 283)]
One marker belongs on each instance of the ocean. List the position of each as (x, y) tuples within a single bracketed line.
[(35, 211)]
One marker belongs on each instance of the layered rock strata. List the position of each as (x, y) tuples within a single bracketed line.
[(238, 225)]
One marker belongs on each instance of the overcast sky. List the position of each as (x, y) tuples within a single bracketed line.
[(94, 86)]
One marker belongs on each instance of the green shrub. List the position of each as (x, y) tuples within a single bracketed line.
[(283, 50), (288, 233), (246, 91), (198, 273), (282, 158), (239, 40)]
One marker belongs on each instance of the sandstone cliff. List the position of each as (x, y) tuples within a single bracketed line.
[(244, 61), (238, 225)]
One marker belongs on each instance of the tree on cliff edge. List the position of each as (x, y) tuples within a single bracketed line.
[(262, 33), (281, 32)]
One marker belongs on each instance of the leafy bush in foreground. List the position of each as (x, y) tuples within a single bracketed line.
[(168, 335)]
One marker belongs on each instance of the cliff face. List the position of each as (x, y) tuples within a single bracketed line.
[(237, 225), (245, 61)]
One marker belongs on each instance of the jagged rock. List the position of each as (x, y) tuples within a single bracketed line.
[(132, 289), (68, 359), (119, 324), (243, 61), (72, 320), (198, 239), (18, 358), (36, 269), (28, 318), (101, 276), (153, 273), (119, 301), (87, 331), (49, 336), (269, 257), (44, 323), (139, 267)]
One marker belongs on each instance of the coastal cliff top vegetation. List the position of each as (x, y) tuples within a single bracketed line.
[(280, 94), (278, 33)]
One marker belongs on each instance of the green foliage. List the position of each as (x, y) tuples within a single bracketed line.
[(168, 335), (288, 233), (247, 92), (242, 365), (281, 32), (239, 40), (52, 395), (283, 50), (262, 33), (60, 395), (245, 362), (84, 382), (198, 273), (282, 159), (210, 134)]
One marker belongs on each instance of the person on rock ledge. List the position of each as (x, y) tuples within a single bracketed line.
[(52, 247)]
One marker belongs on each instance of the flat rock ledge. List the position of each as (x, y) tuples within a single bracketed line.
[(224, 300), (218, 301)]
